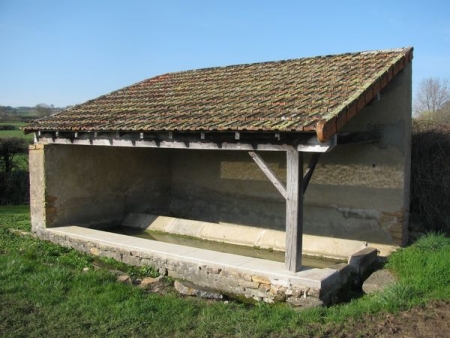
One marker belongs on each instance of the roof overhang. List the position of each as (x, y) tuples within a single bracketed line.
[(249, 141), (332, 123)]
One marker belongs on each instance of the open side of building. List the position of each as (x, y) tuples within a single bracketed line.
[(304, 156)]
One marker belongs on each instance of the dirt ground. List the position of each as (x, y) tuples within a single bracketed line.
[(430, 320)]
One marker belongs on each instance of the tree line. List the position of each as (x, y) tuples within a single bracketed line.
[(24, 114)]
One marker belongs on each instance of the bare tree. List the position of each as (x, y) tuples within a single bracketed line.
[(432, 97), (43, 109)]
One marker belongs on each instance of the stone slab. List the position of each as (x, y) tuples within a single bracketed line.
[(378, 281), (319, 246), (190, 289), (360, 261)]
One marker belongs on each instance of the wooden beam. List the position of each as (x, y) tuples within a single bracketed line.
[(310, 170), (312, 145), (306, 143), (232, 141), (269, 173), (171, 144), (294, 210)]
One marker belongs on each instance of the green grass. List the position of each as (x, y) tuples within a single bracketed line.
[(15, 217), (29, 114), (16, 133), (13, 123), (44, 292)]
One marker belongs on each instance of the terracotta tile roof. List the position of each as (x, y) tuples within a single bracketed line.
[(310, 94)]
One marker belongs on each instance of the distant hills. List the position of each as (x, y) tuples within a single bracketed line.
[(25, 114)]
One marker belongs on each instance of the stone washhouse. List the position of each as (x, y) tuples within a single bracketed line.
[(306, 156)]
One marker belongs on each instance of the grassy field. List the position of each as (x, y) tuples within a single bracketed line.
[(44, 292), (15, 133), (13, 123)]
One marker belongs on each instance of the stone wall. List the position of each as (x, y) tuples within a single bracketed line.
[(310, 287), (96, 186)]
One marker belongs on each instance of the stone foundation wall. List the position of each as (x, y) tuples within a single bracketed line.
[(234, 281)]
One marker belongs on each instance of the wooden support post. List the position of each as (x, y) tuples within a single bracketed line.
[(294, 210)]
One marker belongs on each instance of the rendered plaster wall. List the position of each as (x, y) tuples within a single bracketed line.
[(226, 187), (95, 186), (358, 191), (365, 187)]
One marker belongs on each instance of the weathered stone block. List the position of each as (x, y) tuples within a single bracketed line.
[(344, 271), (261, 279), (162, 271), (378, 280), (264, 288), (190, 289), (124, 279), (94, 251), (211, 270), (360, 261), (236, 275), (304, 302), (258, 293), (249, 285)]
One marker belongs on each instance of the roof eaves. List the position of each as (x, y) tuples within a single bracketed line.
[(334, 121)]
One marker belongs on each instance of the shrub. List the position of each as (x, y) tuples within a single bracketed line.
[(430, 175), (14, 187)]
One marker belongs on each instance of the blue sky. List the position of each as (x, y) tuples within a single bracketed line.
[(66, 52)]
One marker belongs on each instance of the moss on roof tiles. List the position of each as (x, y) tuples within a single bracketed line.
[(289, 95)]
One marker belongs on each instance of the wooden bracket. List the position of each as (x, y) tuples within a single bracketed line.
[(269, 173), (310, 170)]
